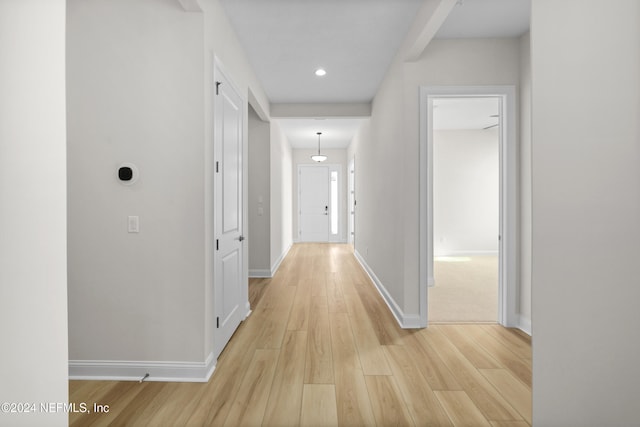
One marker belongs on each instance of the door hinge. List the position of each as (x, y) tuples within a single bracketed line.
[(218, 88), (217, 322), (217, 167), (217, 245)]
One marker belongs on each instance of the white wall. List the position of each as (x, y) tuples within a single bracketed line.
[(586, 211), (135, 94), (259, 236), (281, 195), (466, 192), (335, 157), (33, 260), (380, 188), (141, 90), (270, 177), (362, 136), (525, 184), (388, 163)]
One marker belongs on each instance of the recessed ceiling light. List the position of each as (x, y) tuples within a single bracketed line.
[(321, 72)]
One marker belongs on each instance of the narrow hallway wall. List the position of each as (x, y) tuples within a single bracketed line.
[(259, 236)]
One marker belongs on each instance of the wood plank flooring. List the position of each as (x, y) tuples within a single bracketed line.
[(322, 349)]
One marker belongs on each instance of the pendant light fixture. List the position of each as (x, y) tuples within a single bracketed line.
[(319, 157)]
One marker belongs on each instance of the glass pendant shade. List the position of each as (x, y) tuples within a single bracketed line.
[(319, 157)]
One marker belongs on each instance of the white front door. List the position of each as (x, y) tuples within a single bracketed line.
[(229, 277), (314, 203)]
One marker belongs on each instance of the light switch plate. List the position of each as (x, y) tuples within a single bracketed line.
[(133, 224)]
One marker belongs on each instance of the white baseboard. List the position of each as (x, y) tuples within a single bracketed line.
[(260, 273), (119, 370), (276, 265), (524, 324), (341, 240), (411, 321), (467, 253), (265, 273)]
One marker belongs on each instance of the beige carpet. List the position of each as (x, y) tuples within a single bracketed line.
[(466, 289)]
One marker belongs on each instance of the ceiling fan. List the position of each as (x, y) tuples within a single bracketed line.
[(492, 126)]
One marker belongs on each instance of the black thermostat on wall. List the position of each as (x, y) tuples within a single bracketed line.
[(127, 173)]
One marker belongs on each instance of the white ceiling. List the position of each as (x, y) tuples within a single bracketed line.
[(354, 40), (336, 133), (487, 19)]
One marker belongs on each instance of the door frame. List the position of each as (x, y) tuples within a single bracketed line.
[(508, 228), (332, 167), (351, 202)]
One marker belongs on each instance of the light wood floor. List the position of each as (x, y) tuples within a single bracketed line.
[(321, 349)]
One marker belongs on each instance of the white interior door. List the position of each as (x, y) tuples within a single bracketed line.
[(229, 277), (314, 203), (352, 202)]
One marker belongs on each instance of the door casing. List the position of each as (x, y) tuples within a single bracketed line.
[(508, 228)]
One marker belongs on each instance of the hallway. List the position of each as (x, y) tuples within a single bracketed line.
[(321, 348)]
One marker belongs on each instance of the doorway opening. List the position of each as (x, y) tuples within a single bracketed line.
[(447, 247), (466, 214)]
